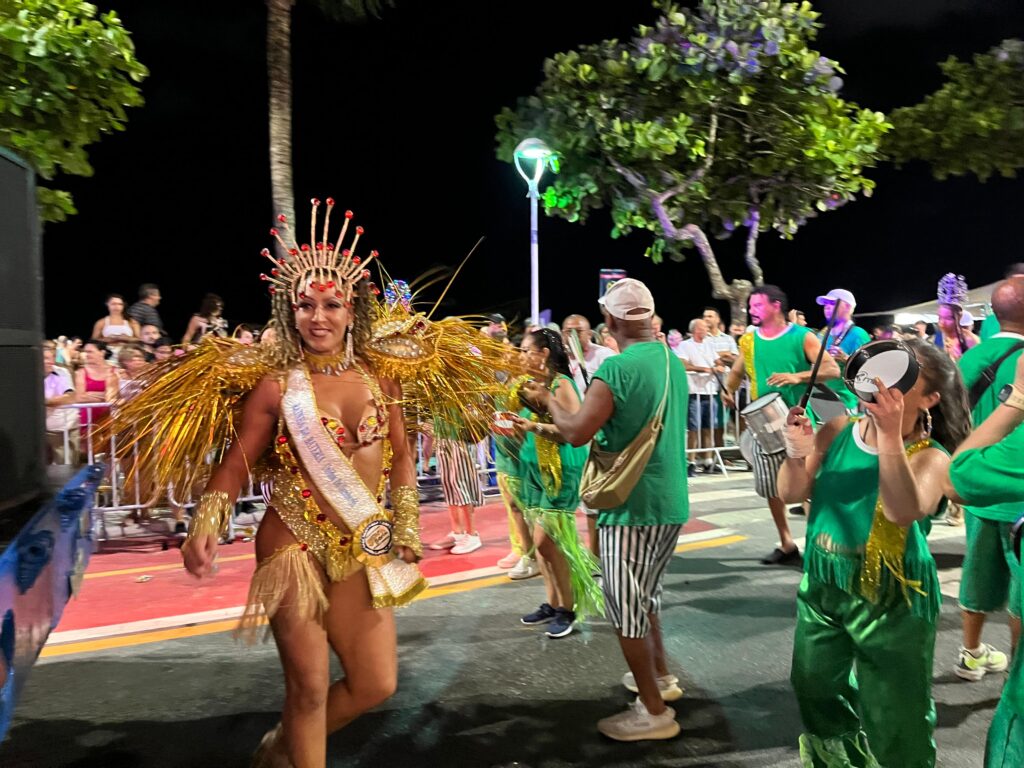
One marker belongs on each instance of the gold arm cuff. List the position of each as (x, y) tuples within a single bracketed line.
[(405, 503), (210, 514)]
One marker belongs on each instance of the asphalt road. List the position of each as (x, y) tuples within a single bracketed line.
[(479, 689)]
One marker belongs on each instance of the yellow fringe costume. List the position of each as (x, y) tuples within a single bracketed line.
[(187, 412)]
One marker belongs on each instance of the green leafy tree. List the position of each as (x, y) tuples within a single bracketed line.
[(279, 79), (712, 121), (974, 123), (66, 76)]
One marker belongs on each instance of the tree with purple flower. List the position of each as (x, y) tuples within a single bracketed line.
[(715, 119)]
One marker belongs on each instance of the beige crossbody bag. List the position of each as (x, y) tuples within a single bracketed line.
[(610, 476)]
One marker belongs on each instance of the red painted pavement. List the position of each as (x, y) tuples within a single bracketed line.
[(120, 598)]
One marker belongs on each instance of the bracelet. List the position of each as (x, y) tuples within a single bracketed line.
[(405, 506), (210, 515)]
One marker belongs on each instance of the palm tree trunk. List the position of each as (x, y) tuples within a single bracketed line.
[(279, 80)]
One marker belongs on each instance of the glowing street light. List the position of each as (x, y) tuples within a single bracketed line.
[(540, 155)]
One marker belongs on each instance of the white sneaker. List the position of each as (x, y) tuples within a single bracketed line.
[(449, 541), (526, 569), (668, 686), (637, 724), (466, 543), (974, 666)]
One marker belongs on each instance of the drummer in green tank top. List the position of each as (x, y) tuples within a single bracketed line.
[(776, 356), (869, 599)]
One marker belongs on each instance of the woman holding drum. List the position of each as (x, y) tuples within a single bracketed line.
[(870, 591)]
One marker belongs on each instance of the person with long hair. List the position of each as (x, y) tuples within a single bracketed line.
[(869, 600), (322, 427), (95, 382), (550, 470), (115, 326), (207, 321)]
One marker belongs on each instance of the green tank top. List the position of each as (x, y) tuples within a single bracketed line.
[(541, 491), (841, 521), (782, 354)]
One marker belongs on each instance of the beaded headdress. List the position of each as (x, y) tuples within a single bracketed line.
[(325, 265), (952, 290)]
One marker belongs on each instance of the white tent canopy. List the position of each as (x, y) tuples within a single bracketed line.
[(977, 304)]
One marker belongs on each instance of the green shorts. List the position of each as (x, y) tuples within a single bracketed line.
[(991, 579)]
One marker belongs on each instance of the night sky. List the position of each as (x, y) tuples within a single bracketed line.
[(394, 119)]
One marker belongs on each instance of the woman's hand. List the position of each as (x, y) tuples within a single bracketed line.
[(406, 554), (522, 425), (200, 554), (799, 434), (887, 411)]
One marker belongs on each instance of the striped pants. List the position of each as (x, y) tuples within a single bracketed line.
[(633, 562), (459, 479)]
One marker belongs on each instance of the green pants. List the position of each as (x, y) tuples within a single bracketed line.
[(863, 676), (1005, 747)]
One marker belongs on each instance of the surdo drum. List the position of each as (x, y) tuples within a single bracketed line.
[(766, 418)]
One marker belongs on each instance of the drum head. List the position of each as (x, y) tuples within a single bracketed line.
[(760, 403), (890, 360)]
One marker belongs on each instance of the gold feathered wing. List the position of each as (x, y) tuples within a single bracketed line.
[(184, 414), (449, 371)]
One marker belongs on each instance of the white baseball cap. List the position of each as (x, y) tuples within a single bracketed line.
[(838, 294), (628, 299)]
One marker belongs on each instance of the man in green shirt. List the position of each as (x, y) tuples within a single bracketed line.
[(987, 470), (990, 580), (638, 538), (776, 356), (990, 325)]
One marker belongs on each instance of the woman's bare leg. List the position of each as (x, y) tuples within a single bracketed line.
[(363, 637), (557, 573), (302, 646)]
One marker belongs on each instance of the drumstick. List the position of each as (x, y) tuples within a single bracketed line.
[(821, 355)]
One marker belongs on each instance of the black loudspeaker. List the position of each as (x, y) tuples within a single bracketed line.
[(22, 418)]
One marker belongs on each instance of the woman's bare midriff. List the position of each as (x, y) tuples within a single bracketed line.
[(347, 399)]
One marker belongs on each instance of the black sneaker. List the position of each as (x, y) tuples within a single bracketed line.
[(179, 530), (542, 615), (712, 469), (562, 624), (780, 557), (691, 470), (797, 511)]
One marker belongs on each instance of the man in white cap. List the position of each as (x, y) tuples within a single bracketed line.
[(638, 537), (846, 336)]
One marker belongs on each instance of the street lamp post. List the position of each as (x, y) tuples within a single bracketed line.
[(537, 152)]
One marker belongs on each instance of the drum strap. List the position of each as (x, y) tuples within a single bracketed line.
[(988, 376)]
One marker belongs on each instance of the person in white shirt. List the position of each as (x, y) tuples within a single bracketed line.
[(725, 347), (593, 354), (59, 389), (701, 360)]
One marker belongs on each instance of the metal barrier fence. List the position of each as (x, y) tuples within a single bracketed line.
[(115, 501), (709, 424)]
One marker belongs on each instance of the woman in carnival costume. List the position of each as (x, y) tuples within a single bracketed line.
[(548, 488), (321, 420), (869, 599), (950, 335)]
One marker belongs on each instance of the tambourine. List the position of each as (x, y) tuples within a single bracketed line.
[(504, 424), (890, 360)]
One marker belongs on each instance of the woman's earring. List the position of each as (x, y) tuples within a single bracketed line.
[(927, 423), (349, 347)]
